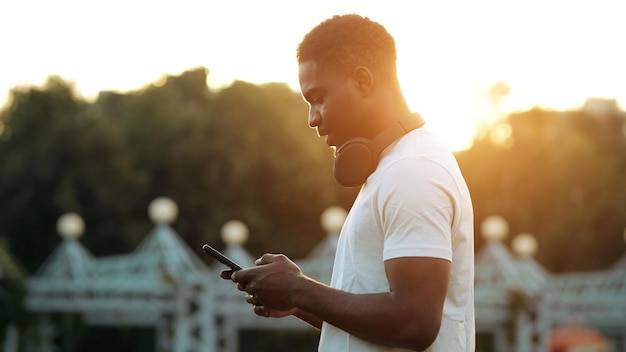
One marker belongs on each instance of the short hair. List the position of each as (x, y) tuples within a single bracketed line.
[(343, 42)]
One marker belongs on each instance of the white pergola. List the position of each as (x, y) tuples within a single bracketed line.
[(164, 285), (515, 294)]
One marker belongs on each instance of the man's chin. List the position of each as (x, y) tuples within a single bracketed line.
[(332, 144)]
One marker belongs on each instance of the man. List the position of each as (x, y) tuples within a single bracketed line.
[(403, 273)]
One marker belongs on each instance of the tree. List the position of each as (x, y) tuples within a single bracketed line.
[(12, 292), (560, 178), (275, 170), (60, 157)]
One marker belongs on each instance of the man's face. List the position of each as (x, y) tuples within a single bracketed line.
[(333, 103)]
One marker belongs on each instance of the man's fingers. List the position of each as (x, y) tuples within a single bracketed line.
[(266, 259), (226, 274), (240, 277), (261, 311), (251, 299), (241, 287)]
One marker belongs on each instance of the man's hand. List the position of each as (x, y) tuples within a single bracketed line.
[(260, 310), (269, 284)]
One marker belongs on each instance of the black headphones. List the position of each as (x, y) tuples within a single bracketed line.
[(356, 159)]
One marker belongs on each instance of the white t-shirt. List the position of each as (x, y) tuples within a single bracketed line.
[(416, 204)]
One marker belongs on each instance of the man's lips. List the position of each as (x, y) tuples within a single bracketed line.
[(323, 133), (329, 140)]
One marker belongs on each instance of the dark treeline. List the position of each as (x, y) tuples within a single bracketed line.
[(560, 176), (245, 152)]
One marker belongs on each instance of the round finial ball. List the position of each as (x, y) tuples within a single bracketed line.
[(70, 225), (163, 210), (525, 245), (234, 232), (332, 219), (494, 227)]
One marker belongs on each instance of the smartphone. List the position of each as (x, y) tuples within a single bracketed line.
[(221, 257)]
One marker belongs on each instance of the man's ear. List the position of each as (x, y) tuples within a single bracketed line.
[(363, 80)]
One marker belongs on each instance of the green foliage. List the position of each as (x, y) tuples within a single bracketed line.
[(270, 161), (61, 157), (12, 291), (560, 177), (245, 152)]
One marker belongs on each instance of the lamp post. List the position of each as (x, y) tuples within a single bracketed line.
[(332, 219), (234, 232), (525, 245), (70, 226), (494, 228), (163, 211)]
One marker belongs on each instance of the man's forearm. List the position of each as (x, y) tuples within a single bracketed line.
[(408, 316), (309, 318)]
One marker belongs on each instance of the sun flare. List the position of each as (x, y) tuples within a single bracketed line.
[(449, 53)]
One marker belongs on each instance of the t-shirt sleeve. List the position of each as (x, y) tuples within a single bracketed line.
[(417, 209)]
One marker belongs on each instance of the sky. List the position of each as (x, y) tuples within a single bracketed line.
[(552, 54)]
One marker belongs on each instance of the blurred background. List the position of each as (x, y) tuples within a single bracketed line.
[(107, 106)]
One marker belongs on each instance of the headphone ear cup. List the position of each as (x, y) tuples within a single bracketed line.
[(354, 162), (357, 158)]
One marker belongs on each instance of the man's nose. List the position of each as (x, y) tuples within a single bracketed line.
[(314, 118)]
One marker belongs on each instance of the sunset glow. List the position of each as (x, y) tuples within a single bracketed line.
[(553, 54)]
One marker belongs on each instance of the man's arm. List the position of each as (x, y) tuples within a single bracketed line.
[(408, 316), (309, 318)]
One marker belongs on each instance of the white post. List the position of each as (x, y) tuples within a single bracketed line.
[(523, 333), (12, 338)]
